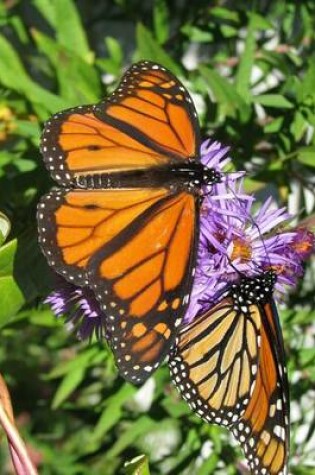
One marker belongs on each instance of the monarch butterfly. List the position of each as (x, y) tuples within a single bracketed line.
[(229, 366), (125, 222)]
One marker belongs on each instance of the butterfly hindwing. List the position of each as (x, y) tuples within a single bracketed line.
[(142, 279), (263, 429), (215, 360), (74, 225), (135, 249)]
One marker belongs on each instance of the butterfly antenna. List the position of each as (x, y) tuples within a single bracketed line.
[(254, 224)]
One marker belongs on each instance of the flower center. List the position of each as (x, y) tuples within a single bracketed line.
[(303, 244), (241, 250)]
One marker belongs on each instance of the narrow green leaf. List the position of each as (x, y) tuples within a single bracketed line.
[(137, 466), (273, 100), (228, 31), (47, 9), (79, 82), (209, 465), (137, 428), (5, 227), (14, 77), (69, 29), (259, 22), (298, 126), (244, 70), (306, 86), (274, 126), (70, 382), (80, 361), (224, 93), (7, 254), (196, 34), (149, 49), (114, 49), (113, 410), (161, 21), (225, 13)]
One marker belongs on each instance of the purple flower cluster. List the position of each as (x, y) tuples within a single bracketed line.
[(236, 238), (80, 308)]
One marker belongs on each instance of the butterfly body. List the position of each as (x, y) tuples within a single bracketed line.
[(124, 221), (191, 177), (228, 365)]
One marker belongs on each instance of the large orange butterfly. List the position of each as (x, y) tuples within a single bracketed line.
[(126, 223), (229, 366)]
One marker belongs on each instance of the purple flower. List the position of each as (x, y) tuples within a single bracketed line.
[(79, 307), (235, 241)]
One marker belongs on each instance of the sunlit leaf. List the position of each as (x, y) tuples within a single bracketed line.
[(137, 466)]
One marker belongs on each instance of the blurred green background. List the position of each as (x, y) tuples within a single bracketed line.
[(250, 67)]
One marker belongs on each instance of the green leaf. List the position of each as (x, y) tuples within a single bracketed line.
[(273, 100), (70, 382), (230, 102), (14, 77), (47, 9), (79, 82), (224, 13), (228, 31), (114, 49), (305, 88), (137, 466), (5, 227), (258, 22), (23, 270), (274, 126), (298, 126), (161, 20), (11, 297), (137, 428), (149, 49), (306, 155), (111, 414), (244, 70), (82, 361), (196, 34), (70, 31)]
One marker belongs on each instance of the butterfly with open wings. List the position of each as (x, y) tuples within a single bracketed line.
[(124, 221)]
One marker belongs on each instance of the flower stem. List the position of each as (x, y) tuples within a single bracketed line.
[(20, 457)]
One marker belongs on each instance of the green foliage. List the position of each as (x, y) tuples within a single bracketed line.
[(250, 67)]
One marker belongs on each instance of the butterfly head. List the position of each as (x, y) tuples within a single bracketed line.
[(211, 176)]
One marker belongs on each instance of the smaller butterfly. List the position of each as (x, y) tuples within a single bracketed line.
[(229, 366)]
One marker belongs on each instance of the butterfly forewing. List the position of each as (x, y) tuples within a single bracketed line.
[(152, 105), (77, 143), (148, 121)]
